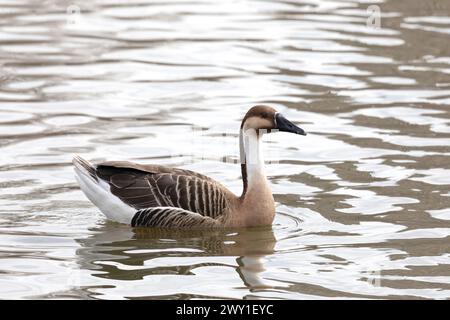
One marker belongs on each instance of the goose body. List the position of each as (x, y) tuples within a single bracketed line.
[(160, 196)]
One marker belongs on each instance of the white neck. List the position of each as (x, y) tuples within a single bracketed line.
[(257, 205), (252, 156)]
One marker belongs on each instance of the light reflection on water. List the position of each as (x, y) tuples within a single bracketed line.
[(363, 200)]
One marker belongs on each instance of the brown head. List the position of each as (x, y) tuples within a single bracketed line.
[(265, 119)]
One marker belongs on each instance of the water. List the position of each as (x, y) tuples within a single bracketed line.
[(363, 202)]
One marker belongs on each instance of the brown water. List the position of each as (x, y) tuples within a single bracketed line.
[(363, 202)]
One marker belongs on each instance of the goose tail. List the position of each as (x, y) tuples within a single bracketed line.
[(84, 167), (99, 192)]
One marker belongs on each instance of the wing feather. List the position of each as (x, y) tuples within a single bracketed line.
[(143, 187)]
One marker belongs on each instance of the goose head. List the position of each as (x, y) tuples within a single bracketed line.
[(265, 119)]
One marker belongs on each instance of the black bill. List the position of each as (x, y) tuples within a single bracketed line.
[(285, 125)]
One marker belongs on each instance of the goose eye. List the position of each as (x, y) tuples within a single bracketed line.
[(264, 115)]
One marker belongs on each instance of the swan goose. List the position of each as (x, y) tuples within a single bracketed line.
[(159, 196)]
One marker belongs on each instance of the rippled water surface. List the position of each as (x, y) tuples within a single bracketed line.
[(363, 202)]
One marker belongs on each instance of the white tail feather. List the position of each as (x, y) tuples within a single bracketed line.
[(98, 192)]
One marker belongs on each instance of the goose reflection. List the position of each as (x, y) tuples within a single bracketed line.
[(121, 253)]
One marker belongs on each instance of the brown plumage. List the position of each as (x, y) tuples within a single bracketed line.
[(159, 196), (149, 186)]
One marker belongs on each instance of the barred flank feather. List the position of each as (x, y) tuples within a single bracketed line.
[(170, 217)]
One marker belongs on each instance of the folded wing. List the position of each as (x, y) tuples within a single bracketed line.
[(143, 187)]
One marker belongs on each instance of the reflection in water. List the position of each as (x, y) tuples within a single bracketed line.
[(115, 250), (362, 202)]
